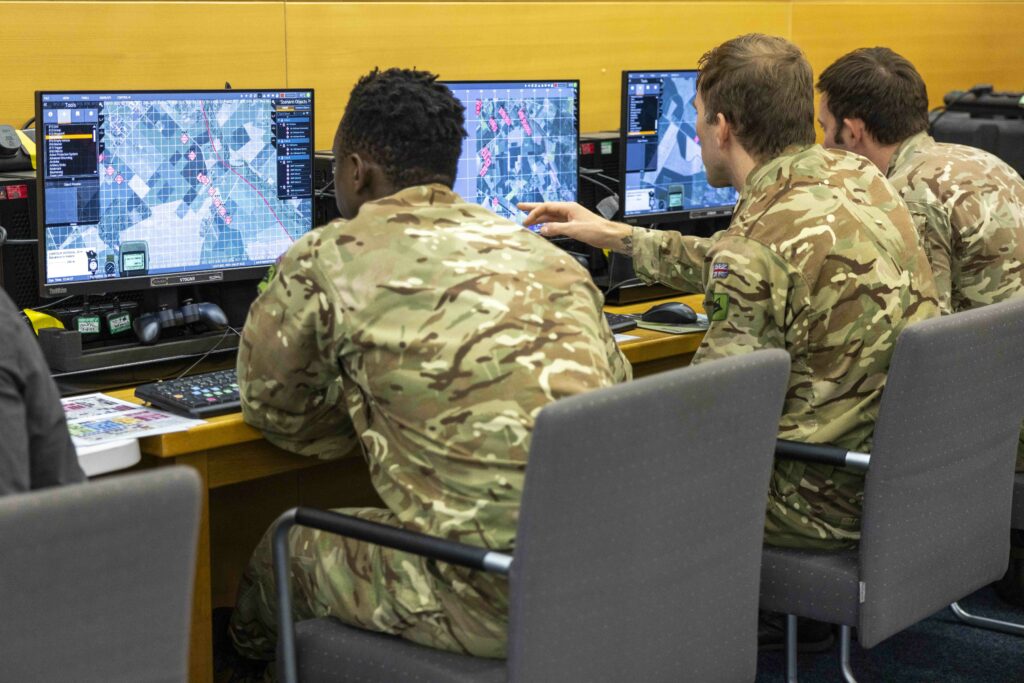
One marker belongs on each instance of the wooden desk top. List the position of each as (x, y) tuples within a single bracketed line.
[(229, 430), (656, 345)]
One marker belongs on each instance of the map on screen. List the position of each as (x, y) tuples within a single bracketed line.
[(664, 172), (160, 183), (522, 144)]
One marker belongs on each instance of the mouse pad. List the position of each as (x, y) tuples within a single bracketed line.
[(673, 329)]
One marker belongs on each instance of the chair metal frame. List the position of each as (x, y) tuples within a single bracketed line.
[(820, 454), (370, 532)]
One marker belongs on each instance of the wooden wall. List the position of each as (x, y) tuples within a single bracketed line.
[(327, 45)]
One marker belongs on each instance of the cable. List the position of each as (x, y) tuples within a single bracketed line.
[(53, 303), (13, 243), (28, 123), (598, 173), (212, 349), (325, 191), (607, 189)]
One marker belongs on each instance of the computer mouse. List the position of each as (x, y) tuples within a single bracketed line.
[(670, 313)]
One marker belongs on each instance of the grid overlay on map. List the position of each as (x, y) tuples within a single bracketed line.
[(218, 173), (194, 180), (522, 146)]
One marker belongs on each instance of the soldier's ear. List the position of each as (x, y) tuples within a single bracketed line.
[(854, 133), (723, 130), (360, 172)]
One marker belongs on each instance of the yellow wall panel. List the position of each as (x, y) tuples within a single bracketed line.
[(332, 44), (137, 45), (953, 45)]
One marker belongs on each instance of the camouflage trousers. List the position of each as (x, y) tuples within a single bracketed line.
[(813, 507), (375, 588)]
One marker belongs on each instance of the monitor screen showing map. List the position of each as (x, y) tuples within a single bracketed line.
[(663, 177), (150, 189), (523, 143)]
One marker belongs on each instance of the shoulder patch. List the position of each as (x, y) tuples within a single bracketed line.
[(720, 270), (719, 308)]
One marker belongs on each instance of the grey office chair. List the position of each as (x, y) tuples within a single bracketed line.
[(939, 481), (1017, 522), (638, 546), (96, 579)]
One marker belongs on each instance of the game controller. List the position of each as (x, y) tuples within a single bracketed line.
[(149, 325)]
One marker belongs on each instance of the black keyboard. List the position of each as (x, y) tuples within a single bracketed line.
[(204, 395), (620, 322)]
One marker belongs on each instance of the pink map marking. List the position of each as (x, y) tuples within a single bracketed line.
[(504, 116), (206, 120), (227, 219), (119, 179), (479, 106), (486, 155), (110, 170), (494, 126), (102, 156), (192, 156), (526, 124), (184, 139)]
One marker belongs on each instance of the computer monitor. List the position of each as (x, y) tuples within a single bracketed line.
[(148, 189), (663, 178), (523, 143)]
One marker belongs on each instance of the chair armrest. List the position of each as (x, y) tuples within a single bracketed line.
[(822, 454), (371, 532)]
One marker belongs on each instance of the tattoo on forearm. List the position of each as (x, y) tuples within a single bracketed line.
[(627, 245)]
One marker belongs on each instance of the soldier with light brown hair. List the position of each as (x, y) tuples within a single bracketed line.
[(819, 252)]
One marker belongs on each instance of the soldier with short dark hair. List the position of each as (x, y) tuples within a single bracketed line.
[(430, 332), (821, 259), (967, 204)]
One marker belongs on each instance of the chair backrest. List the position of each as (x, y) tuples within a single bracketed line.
[(96, 579), (639, 544), (937, 495)]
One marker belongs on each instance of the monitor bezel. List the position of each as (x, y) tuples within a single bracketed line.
[(149, 282), (579, 100), (658, 218)]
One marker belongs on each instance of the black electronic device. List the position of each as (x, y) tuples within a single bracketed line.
[(325, 207), (662, 175), (982, 118), (12, 153), (620, 322), (143, 190), (670, 313), (203, 395), (599, 168), (199, 316), (18, 255), (523, 143)]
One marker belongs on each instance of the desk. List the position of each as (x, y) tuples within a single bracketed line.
[(249, 482)]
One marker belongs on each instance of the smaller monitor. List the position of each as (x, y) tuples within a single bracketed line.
[(662, 177), (523, 143)]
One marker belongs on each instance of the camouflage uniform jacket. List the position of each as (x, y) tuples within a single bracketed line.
[(969, 209), (968, 206), (433, 332), (821, 259)]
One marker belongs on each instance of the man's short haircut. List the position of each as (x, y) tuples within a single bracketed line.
[(764, 88), (408, 123), (882, 89)]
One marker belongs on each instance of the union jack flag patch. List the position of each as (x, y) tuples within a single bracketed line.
[(720, 270)]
